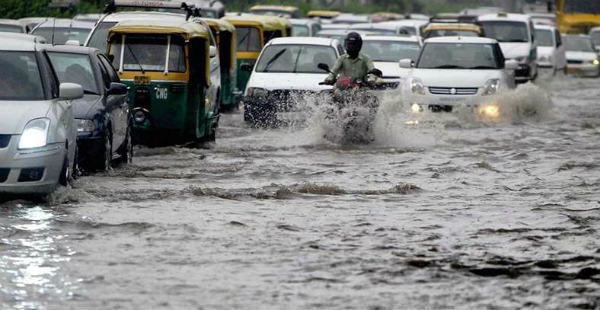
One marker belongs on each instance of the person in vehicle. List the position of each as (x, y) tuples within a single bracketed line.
[(353, 64)]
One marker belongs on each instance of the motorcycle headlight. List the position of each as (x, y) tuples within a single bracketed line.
[(85, 125), (257, 92), (491, 87), (417, 87), (35, 134)]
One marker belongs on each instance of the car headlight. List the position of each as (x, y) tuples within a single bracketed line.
[(595, 62), (417, 87), (546, 58), (416, 108), (257, 92), (85, 125), (491, 87), (490, 110), (35, 134)]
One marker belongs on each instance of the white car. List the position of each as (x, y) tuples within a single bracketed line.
[(410, 27), (516, 36), (582, 58), (304, 27), (456, 70), (550, 48), (38, 134), (386, 51), (286, 72), (595, 34), (380, 29)]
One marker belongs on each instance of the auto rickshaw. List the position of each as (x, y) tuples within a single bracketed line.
[(225, 35), (166, 63), (252, 33)]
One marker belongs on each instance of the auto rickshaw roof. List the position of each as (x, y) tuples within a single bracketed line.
[(452, 26), (221, 23), (267, 22), (285, 8), (323, 13), (188, 28)]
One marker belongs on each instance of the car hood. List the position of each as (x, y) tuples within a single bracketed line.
[(455, 78), (86, 107), (291, 81), (389, 69), (514, 50), (581, 55), (19, 113)]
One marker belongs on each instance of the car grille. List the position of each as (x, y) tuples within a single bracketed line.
[(453, 90), (4, 174), (4, 141), (574, 62)]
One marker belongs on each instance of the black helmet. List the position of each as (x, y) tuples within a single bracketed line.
[(353, 44)]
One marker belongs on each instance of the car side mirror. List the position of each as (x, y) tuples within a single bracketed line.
[(70, 91), (511, 65), (246, 67), (406, 63), (324, 67), (212, 52), (117, 89)]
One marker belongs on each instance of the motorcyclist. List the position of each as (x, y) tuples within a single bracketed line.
[(353, 64)]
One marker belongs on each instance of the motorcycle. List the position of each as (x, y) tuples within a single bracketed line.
[(351, 109)]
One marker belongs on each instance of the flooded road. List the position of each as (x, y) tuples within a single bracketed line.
[(452, 212)]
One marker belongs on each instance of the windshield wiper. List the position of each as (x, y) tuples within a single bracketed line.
[(244, 38), (136, 59), (273, 59)]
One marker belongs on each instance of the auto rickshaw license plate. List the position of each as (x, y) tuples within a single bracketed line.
[(141, 80)]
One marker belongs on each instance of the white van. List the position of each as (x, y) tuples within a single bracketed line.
[(550, 49)]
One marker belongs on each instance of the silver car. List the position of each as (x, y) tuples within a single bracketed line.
[(38, 135)]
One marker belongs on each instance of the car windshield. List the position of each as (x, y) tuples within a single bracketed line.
[(62, 34), (378, 31), (408, 31), (596, 38), (578, 44), (149, 53), (74, 68), (582, 6), (295, 58), (544, 37), (20, 78), (300, 30), (451, 33), (11, 28), (390, 51), (98, 37), (248, 39), (460, 56), (506, 31)]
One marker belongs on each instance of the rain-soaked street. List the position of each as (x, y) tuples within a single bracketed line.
[(448, 212)]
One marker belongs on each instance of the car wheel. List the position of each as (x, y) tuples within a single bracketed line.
[(65, 173), (103, 162), (126, 151)]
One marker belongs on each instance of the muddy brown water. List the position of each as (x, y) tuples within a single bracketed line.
[(443, 211)]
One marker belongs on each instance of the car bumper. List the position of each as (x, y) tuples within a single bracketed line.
[(447, 102), (583, 69), (14, 164)]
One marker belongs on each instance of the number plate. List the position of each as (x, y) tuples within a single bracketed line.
[(141, 80)]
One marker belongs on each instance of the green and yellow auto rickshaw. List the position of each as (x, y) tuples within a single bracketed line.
[(166, 63), (252, 33), (224, 34)]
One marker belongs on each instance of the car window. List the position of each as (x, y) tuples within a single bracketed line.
[(20, 78), (390, 51), (248, 39), (106, 79), (114, 77), (61, 35), (451, 33), (11, 28), (100, 35), (578, 43), (49, 76), (544, 37), (506, 31), (300, 31), (315, 29), (74, 68), (295, 58), (596, 37), (459, 56)]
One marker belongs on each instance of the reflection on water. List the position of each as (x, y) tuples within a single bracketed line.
[(31, 257)]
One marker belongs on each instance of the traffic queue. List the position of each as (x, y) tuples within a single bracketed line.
[(79, 94)]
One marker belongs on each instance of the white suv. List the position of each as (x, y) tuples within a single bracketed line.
[(516, 36), (38, 135), (550, 48), (456, 70)]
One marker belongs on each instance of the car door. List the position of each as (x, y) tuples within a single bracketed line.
[(560, 57), (116, 105)]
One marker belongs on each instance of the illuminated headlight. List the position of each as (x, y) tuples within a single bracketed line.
[(417, 87), (257, 92), (491, 87), (490, 110), (139, 116), (595, 62), (416, 108), (85, 125), (35, 134)]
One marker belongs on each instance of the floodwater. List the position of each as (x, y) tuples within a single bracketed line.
[(442, 211)]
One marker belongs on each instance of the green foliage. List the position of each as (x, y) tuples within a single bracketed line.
[(15, 9)]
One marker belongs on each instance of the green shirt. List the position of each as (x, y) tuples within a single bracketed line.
[(356, 68)]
